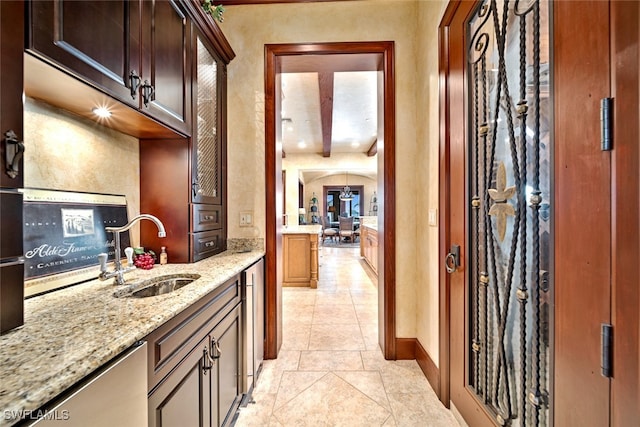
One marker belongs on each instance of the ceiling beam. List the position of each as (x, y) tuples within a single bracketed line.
[(373, 150), (325, 83)]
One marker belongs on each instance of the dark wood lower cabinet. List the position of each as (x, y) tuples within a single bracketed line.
[(202, 385)]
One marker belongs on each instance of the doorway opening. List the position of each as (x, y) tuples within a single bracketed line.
[(379, 57)]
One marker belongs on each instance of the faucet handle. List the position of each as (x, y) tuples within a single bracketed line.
[(128, 251), (102, 258)]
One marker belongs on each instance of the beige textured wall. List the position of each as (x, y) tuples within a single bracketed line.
[(68, 152), (295, 163), (316, 185), (427, 263), (248, 29)]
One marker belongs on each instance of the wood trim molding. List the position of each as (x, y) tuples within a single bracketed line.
[(443, 203), (386, 177), (409, 349)]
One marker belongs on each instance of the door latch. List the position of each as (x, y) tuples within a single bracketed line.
[(452, 260)]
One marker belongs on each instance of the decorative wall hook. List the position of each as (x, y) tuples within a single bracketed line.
[(13, 150)]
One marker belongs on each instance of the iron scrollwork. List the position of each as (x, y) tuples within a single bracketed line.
[(509, 162)]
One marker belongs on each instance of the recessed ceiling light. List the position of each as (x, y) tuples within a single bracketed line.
[(290, 128), (102, 112), (302, 144), (355, 144)]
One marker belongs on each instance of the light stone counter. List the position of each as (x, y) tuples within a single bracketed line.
[(302, 229), (69, 333)]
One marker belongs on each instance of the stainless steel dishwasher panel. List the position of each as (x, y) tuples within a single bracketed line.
[(117, 396), (253, 278)]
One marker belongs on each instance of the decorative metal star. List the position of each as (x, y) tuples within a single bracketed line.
[(500, 208)]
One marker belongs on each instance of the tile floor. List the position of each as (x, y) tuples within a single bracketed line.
[(330, 370)]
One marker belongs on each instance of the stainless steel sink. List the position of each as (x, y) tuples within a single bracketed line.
[(161, 285)]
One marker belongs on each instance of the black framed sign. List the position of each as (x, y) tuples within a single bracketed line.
[(63, 234)]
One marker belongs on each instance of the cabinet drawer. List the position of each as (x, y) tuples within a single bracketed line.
[(206, 217), (205, 244), (170, 343)]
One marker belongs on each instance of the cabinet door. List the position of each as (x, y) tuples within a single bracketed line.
[(97, 40), (166, 64), (11, 84), (183, 398), (227, 391), (208, 137)]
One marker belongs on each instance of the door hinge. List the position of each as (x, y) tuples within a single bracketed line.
[(606, 124), (606, 356)]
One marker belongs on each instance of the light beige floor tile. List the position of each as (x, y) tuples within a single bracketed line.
[(373, 360), (289, 297), (366, 313), (419, 410), (390, 422), (404, 376), (333, 297), (297, 313), (329, 313), (364, 297), (295, 382), (269, 379), (370, 335), (330, 361), (295, 336), (367, 382), (331, 402), (257, 414), (336, 337), (330, 370)]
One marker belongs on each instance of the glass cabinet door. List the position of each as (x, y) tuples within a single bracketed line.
[(207, 150)]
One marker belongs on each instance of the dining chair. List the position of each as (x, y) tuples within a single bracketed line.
[(327, 230), (345, 228)]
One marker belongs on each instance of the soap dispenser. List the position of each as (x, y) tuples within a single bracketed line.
[(163, 255)]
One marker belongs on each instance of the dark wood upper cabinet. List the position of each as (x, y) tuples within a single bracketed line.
[(166, 63), (11, 70), (99, 41), (136, 51), (12, 172), (208, 138)]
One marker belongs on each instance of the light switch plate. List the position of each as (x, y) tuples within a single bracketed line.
[(433, 217), (246, 219)]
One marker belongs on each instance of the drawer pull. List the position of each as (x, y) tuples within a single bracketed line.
[(208, 217), (209, 244), (215, 350), (207, 361)]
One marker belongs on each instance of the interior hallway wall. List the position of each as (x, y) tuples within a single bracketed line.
[(248, 29), (427, 262)]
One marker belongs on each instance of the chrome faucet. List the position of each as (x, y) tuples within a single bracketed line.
[(119, 270)]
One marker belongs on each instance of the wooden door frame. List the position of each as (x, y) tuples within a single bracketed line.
[(386, 180), (444, 297)]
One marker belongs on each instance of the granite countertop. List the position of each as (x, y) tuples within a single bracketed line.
[(302, 229), (69, 333), (372, 226)]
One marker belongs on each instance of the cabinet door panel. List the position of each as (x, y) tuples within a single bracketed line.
[(166, 63), (11, 83), (97, 40), (229, 365), (207, 139), (182, 399)]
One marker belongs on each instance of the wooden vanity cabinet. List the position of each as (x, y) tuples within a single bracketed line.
[(136, 51), (369, 246), (195, 362)]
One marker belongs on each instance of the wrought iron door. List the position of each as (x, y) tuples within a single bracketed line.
[(509, 214)]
